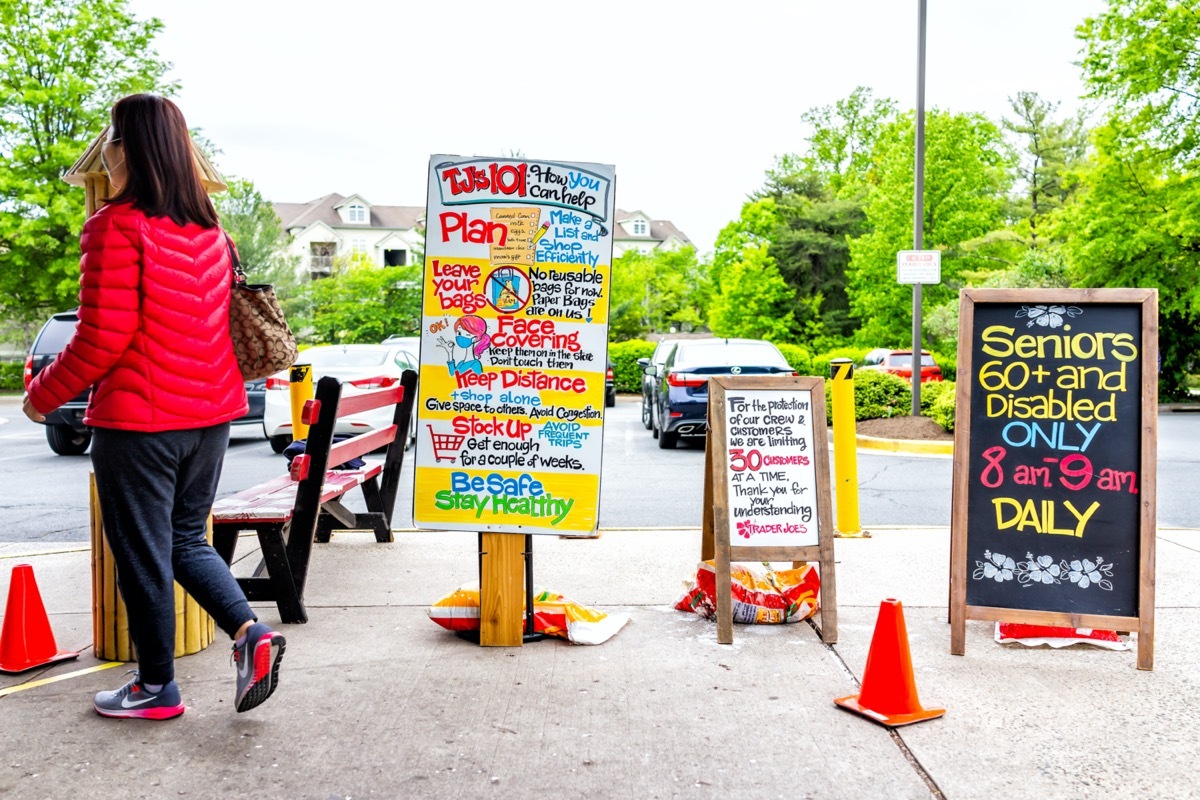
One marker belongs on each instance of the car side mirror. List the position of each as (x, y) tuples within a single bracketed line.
[(643, 363)]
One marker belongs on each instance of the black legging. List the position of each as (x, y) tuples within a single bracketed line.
[(156, 491)]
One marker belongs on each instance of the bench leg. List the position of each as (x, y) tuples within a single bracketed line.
[(225, 537), (377, 519), (279, 570), (326, 525)]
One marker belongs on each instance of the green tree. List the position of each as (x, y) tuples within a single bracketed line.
[(361, 302), (1136, 221), (966, 178), (818, 197), (255, 228), (63, 63), (1047, 149), (656, 291), (840, 147), (753, 300)]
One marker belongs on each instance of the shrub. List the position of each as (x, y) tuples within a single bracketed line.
[(627, 375), (942, 406), (12, 376), (931, 392), (876, 395), (879, 395), (949, 364), (799, 358)]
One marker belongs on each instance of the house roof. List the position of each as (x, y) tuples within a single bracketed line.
[(660, 229), (324, 209)]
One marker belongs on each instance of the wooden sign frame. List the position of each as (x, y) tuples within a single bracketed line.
[(715, 542), (960, 612)]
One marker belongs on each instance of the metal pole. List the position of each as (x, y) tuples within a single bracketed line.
[(918, 208)]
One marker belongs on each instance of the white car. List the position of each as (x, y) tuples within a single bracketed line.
[(359, 367)]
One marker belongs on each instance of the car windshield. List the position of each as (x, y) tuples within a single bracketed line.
[(54, 337), (733, 354), (343, 357)]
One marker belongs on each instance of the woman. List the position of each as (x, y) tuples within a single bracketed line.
[(470, 334), (153, 342)]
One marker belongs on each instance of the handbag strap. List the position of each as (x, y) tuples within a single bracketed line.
[(238, 275)]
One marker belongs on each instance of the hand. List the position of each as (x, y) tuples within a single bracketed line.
[(32, 412)]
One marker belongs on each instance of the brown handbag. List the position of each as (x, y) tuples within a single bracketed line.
[(262, 340)]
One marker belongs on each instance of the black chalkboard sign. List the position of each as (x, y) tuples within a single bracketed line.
[(1054, 509)]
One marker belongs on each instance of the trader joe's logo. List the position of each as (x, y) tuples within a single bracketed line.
[(748, 528)]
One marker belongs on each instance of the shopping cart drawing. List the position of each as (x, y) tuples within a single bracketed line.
[(445, 445)]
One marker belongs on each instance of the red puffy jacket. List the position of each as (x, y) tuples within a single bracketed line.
[(153, 333)]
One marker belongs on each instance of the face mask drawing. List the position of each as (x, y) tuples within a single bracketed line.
[(464, 341)]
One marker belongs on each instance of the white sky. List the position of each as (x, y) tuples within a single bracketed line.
[(691, 101)]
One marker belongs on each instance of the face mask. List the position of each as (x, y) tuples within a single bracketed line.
[(104, 162), (463, 341)]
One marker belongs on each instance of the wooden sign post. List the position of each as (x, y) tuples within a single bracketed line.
[(1053, 520), (767, 484)]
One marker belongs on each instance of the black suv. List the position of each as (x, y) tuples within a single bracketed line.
[(65, 431)]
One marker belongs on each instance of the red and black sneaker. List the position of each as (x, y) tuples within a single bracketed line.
[(134, 701), (257, 661)]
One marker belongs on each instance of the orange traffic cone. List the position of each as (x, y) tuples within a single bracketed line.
[(26, 641), (889, 694)]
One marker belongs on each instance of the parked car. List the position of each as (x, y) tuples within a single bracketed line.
[(359, 367), (899, 362), (681, 403), (651, 370), (610, 387), (65, 431)]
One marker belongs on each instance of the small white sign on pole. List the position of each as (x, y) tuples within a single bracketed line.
[(919, 266)]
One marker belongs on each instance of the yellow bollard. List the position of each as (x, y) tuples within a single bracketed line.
[(845, 453), (301, 391)]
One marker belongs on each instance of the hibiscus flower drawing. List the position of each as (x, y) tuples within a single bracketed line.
[(1039, 570), (743, 529), (1086, 572), (1048, 316), (997, 567)]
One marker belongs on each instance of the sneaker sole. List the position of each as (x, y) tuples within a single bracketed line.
[(160, 713), (266, 666)]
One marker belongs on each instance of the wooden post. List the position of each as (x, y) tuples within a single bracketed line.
[(707, 547), (501, 590)]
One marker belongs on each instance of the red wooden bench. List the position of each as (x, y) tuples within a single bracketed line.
[(289, 512)]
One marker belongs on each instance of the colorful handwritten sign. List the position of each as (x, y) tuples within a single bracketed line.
[(518, 255), (766, 484), (1054, 510)]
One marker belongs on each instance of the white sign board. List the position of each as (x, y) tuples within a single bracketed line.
[(772, 476), (919, 266)]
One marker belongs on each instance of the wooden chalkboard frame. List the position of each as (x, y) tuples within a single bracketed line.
[(715, 543), (960, 612)]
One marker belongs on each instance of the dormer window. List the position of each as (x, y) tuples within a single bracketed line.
[(639, 227), (356, 213)]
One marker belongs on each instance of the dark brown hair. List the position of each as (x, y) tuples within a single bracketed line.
[(162, 179)]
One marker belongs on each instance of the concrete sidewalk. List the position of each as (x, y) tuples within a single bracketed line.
[(376, 700)]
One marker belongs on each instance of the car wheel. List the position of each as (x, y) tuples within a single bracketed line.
[(66, 441), (610, 399), (667, 440), (647, 413), (279, 443)]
